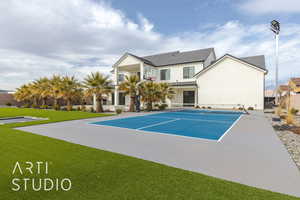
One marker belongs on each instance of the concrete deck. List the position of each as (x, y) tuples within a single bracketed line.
[(250, 153)]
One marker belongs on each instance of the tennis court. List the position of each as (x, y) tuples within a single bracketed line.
[(204, 124)]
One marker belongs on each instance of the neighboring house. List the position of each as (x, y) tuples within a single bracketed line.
[(289, 95), (198, 78), (6, 96)]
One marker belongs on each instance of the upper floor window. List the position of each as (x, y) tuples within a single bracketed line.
[(188, 72), (121, 77), (165, 74)]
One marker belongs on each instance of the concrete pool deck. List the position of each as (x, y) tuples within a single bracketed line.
[(250, 153)]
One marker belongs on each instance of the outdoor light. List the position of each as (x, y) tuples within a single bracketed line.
[(275, 27)]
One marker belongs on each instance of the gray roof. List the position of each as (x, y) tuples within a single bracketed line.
[(177, 57), (188, 83), (258, 61)]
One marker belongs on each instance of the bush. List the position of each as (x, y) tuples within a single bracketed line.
[(8, 104), (241, 108), (56, 107), (92, 109), (119, 111), (26, 105), (35, 106), (197, 106), (290, 118), (83, 108), (44, 107), (250, 108), (78, 108), (294, 111), (203, 107), (278, 111), (162, 106), (208, 107)]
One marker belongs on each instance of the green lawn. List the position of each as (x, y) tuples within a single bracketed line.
[(98, 174)]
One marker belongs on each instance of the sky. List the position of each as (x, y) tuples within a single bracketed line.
[(75, 37)]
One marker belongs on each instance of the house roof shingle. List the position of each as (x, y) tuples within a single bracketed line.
[(258, 61), (177, 57)]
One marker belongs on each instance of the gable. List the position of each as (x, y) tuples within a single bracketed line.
[(127, 59), (236, 60)]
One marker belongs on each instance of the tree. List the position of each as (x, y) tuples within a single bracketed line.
[(55, 89), (150, 93), (70, 89), (97, 84), (23, 93), (165, 92), (42, 89), (130, 87)]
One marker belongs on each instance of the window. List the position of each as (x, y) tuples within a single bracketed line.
[(165, 74), (188, 72), (121, 77), (121, 98)]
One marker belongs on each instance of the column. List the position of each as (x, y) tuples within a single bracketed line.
[(196, 96), (141, 71), (116, 96), (94, 102), (116, 87)]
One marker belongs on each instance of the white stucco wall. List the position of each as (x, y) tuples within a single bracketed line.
[(231, 82), (176, 73)]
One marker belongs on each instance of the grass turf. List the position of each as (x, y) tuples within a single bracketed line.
[(98, 174)]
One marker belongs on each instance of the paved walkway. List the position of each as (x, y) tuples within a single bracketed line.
[(250, 153)]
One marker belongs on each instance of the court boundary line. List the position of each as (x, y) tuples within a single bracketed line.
[(158, 133), (233, 124), (170, 134), (157, 124)]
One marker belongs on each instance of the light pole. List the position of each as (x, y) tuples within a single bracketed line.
[(275, 27)]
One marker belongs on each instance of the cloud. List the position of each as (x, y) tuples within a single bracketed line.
[(76, 37), (270, 6)]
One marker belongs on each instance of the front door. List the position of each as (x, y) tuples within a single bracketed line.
[(188, 98)]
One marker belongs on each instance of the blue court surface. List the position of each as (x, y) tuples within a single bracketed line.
[(205, 124)]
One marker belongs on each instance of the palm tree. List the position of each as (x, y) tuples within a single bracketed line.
[(165, 92), (70, 89), (97, 84), (150, 93), (23, 93), (130, 87), (42, 89), (55, 89)]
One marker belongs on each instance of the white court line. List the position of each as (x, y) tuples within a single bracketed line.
[(165, 122), (229, 128), (204, 120)]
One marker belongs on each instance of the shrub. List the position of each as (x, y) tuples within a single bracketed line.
[(26, 105), (290, 118), (278, 111), (208, 107), (250, 108), (119, 111), (44, 107), (35, 106), (56, 107), (8, 104), (294, 111), (203, 107), (241, 108), (162, 106), (197, 106), (83, 108), (78, 108), (92, 109)]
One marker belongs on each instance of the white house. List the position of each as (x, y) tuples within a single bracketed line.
[(198, 78)]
